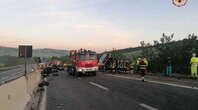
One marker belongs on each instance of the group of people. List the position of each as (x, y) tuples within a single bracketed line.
[(116, 65), (141, 66), (193, 63)]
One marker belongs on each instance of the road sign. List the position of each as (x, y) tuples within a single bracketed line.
[(25, 51), (179, 3)]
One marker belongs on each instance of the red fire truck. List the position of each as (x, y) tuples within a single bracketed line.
[(83, 62)]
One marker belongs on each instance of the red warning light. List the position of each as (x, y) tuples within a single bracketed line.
[(179, 3)]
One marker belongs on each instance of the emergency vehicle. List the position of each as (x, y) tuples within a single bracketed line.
[(83, 62)]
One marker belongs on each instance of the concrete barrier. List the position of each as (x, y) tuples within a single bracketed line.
[(16, 94)]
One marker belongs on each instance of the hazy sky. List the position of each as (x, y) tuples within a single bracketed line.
[(93, 24)]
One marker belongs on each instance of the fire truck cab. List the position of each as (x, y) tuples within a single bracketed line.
[(83, 62)]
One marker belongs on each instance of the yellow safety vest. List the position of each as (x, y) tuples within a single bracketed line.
[(197, 61), (146, 62), (194, 62), (137, 62)]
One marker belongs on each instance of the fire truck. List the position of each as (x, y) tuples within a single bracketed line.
[(83, 62)]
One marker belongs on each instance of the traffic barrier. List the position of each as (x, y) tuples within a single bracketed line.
[(16, 94)]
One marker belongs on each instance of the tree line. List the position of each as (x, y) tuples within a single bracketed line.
[(179, 51)]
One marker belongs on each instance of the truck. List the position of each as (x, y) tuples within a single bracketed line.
[(83, 62)]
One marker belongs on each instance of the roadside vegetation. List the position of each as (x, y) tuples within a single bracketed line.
[(157, 53), (63, 59), (8, 61)]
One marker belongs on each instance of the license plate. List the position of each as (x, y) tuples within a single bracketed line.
[(89, 69)]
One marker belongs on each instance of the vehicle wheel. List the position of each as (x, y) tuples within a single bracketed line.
[(73, 71)]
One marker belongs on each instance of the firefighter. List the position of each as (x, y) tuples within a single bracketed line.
[(146, 61), (194, 64), (121, 65), (111, 65), (116, 65), (114, 68), (108, 64), (143, 67), (131, 67), (137, 65), (126, 66)]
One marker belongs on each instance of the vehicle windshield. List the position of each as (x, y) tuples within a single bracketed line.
[(87, 57)]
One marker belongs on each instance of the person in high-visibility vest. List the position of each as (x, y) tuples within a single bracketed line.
[(143, 67), (137, 63), (194, 65), (146, 61)]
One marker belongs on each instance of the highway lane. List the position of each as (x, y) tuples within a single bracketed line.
[(15, 72), (105, 92)]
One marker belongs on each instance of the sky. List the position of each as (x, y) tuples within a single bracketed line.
[(93, 24)]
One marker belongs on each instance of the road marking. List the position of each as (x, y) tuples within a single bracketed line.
[(98, 85), (158, 82), (148, 107), (171, 84), (124, 77)]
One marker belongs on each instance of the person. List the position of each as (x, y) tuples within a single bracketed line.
[(131, 67), (194, 63), (116, 65), (197, 65), (146, 61), (137, 65), (108, 64), (121, 65), (143, 68), (169, 66)]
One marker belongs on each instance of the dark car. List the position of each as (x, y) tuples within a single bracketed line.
[(55, 68), (60, 68), (47, 70)]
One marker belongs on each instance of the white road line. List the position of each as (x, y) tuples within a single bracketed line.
[(176, 85), (124, 77), (148, 107), (158, 82), (98, 85)]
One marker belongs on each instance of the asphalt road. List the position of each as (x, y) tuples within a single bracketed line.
[(105, 92)]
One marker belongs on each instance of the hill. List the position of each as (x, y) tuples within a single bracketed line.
[(8, 51)]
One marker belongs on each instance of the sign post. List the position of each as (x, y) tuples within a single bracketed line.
[(25, 51)]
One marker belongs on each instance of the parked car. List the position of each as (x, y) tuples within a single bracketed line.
[(46, 70), (60, 68), (55, 68)]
